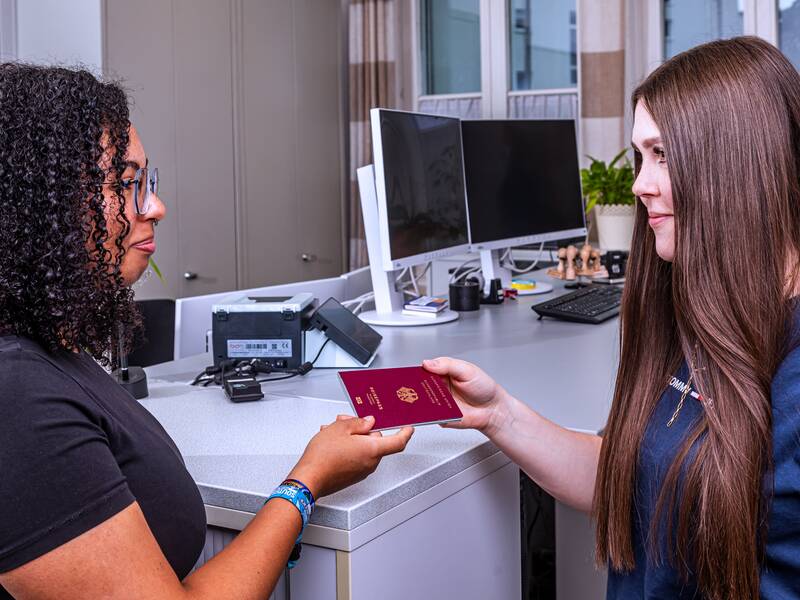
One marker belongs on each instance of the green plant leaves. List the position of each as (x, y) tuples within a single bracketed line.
[(156, 270), (607, 183)]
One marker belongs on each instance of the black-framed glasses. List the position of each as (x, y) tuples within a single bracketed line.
[(142, 194)]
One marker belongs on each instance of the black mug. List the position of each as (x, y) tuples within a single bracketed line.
[(465, 295)]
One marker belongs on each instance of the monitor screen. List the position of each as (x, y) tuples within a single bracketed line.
[(522, 177), (423, 173)]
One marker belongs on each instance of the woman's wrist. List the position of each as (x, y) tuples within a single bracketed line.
[(499, 416), (301, 497), (308, 478)]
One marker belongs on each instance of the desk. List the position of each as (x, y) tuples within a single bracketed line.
[(441, 519)]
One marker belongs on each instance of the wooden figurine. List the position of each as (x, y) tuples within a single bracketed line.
[(572, 273), (562, 262), (573, 263), (597, 266), (560, 271), (586, 267)]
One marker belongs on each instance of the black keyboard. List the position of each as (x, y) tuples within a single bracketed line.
[(593, 304)]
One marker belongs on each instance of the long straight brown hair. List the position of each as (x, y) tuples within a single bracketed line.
[(729, 116)]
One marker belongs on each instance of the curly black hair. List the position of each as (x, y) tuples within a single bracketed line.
[(59, 284)]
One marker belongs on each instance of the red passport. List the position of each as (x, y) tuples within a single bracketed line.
[(400, 397)]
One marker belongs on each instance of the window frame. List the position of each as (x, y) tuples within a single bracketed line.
[(760, 18), (496, 92)]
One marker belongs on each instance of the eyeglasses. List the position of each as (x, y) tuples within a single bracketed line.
[(142, 194)]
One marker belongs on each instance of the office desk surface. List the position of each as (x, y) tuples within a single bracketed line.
[(237, 453)]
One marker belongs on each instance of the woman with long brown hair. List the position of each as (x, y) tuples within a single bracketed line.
[(695, 484)]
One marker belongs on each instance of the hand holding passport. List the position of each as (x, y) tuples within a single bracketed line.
[(400, 397)]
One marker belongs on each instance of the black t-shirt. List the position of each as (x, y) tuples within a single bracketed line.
[(75, 449)]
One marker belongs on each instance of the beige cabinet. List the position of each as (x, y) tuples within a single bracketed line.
[(240, 103)]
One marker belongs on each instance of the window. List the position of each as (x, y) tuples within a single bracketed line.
[(496, 59), (542, 44), (789, 29), (691, 22), (451, 46)]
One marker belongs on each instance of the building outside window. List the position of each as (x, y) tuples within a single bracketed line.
[(688, 23), (497, 58), (542, 44), (451, 46), (789, 29), (519, 58)]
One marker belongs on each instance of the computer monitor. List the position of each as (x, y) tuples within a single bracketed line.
[(419, 180), (523, 182)]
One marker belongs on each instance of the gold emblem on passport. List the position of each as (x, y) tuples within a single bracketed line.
[(407, 395)]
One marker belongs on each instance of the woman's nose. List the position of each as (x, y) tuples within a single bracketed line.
[(155, 209), (645, 184)]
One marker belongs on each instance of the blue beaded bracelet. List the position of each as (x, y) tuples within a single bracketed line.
[(301, 497)]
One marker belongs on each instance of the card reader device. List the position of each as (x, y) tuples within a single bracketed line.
[(268, 328), (346, 331), (242, 389)]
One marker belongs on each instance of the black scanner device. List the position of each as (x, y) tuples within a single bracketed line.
[(269, 329), (346, 330)]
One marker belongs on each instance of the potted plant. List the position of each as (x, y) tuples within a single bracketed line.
[(607, 189)]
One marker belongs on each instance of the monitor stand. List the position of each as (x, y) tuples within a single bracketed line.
[(491, 269), (388, 299)]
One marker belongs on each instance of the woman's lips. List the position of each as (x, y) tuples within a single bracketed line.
[(655, 219), (146, 246)]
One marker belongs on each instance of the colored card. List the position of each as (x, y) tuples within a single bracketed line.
[(400, 397)]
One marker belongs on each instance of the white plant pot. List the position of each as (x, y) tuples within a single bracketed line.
[(614, 225)]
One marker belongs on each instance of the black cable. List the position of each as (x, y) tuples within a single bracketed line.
[(208, 372), (225, 366), (223, 374), (218, 375), (267, 379), (321, 348), (258, 367)]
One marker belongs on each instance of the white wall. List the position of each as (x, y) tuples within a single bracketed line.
[(60, 31)]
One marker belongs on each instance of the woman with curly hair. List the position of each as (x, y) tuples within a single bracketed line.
[(695, 482), (95, 500)]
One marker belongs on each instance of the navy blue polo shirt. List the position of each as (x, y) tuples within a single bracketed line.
[(780, 573)]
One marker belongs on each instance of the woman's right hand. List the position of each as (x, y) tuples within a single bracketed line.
[(479, 397), (344, 453)]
